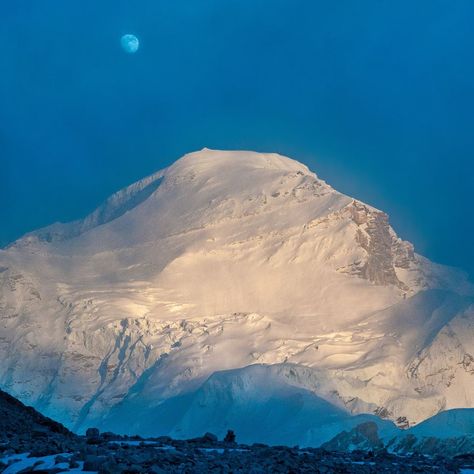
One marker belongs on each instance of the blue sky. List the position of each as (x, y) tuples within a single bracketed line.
[(375, 96)]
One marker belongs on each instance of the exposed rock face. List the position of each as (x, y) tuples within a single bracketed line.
[(364, 436), (221, 261), (385, 251)]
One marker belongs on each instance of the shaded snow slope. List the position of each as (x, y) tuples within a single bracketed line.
[(223, 260), (447, 424), (257, 402)]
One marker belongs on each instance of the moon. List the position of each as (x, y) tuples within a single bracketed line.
[(130, 43)]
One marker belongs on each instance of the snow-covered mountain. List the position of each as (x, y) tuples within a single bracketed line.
[(260, 402), (224, 260)]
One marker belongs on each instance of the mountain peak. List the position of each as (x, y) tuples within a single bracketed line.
[(238, 160), (223, 260), (200, 189)]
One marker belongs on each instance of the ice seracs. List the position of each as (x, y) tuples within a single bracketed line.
[(224, 260)]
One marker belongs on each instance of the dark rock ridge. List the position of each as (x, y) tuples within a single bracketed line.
[(23, 429), (364, 436)]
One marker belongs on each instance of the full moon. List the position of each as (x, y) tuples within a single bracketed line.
[(129, 43)]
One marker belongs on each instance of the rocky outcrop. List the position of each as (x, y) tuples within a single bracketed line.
[(23, 429), (385, 251), (367, 436), (364, 436)]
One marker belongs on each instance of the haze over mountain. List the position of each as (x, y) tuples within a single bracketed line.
[(221, 261)]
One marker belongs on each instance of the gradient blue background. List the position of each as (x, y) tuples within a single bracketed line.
[(375, 96)]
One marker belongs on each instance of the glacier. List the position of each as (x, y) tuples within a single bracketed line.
[(229, 260)]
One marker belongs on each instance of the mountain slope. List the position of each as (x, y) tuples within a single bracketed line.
[(258, 402), (223, 260), (23, 428)]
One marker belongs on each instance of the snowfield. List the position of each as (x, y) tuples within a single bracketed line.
[(222, 261)]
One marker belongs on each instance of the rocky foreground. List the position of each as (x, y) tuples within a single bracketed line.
[(31, 442), (110, 454)]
